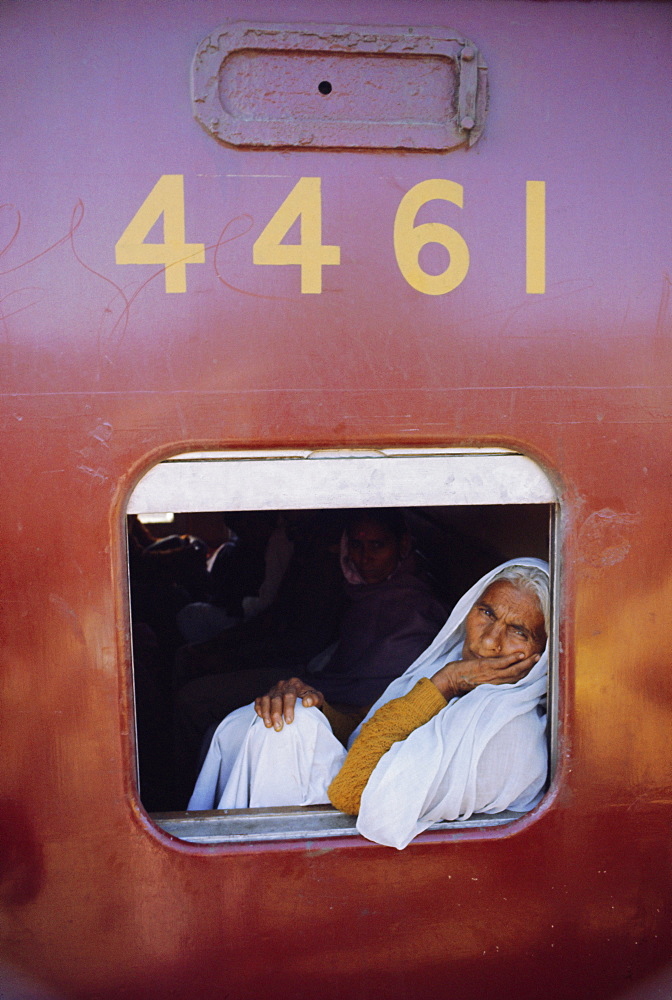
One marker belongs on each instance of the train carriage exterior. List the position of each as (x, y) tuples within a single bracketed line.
[(288, 235)]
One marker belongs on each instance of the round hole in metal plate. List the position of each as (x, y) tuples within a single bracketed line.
[(324, 87)]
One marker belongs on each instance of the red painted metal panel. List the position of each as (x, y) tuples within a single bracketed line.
[(103, 372)]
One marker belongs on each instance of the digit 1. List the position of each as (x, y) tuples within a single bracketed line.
[(535, 245)]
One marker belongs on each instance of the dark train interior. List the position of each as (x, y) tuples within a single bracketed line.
[(194, 576)]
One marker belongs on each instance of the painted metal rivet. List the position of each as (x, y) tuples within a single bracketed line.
[(467, 123), (467, 53)]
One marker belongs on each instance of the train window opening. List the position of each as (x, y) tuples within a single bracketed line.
[(248, 577)]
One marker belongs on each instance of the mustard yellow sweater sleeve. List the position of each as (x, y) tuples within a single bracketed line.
[(391, 723)]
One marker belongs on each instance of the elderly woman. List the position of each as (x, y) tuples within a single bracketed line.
[(461, 731)]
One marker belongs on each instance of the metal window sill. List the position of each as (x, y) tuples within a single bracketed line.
[(227, 826)]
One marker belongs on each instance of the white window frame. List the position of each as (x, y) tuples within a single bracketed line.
[(302, 479), (394, 477)]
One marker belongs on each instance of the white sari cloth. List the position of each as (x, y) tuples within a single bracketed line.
[(249, 765), (485, 752)]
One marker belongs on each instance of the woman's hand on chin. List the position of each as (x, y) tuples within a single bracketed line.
[(278, 704), (462, 676)]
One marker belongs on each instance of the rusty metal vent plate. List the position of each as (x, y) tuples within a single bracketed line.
[(339, 87)]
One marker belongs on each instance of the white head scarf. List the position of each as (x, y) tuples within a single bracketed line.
[(485, 752)]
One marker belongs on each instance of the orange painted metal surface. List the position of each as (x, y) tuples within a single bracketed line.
[(103, 372)]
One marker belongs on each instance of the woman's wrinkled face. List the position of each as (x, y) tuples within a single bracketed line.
[(504, 621), (374, 550)]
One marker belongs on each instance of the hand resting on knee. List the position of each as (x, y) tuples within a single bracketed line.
[(278, 704)]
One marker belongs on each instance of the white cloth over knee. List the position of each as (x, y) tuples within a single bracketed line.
[(250, 766), (453, 767)]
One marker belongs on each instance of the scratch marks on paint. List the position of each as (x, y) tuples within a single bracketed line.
[(555, 291), (604, 537), (664, 318), (75, 222), (17, 226), (109, 344), (98, 474), (69, 615), (229, 239), (102, 433), (76, 219), (17, 308)]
